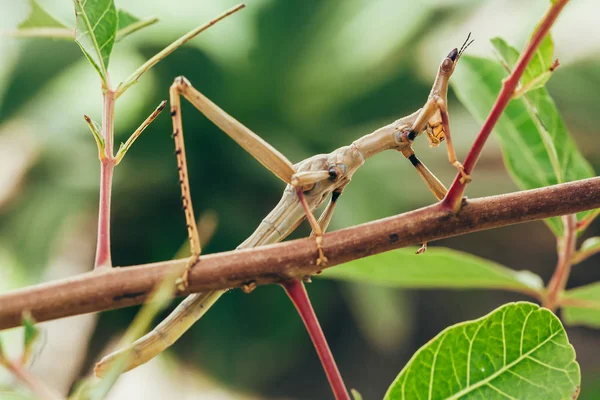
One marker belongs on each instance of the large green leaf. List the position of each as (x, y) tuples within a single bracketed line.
[(518, 351), (588, 315), (536, 145), (436, 268), (96, 31)]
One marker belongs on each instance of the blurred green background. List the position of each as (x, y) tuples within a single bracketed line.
[(308, 76)]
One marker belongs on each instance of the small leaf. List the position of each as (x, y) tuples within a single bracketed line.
[(39, 18), (537, 148), (356, 394), (588, 248), (30, 334), (40, 23), (588, 295), (518, 351), (436, 268), (129, 24), (96, 31), (592, 243), (96, 129)]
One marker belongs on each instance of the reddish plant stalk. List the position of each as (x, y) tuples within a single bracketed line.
[(36, 386), (297, 293), (107, 165), (453, 197), (566, 249)]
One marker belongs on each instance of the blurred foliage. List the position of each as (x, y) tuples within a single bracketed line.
[(308, 77)]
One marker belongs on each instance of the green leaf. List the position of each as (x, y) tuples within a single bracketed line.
[(30, 334), (588, 248), (96, 31), (589, 313), (96, 129), (590, 244), (537, 148), (39, 18), (436, 268), (355, 394), (40, 23), (129, 24), (518, 351)]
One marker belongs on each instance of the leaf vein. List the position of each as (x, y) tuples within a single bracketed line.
[(501, 392)]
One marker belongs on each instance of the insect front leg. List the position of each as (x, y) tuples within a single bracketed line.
[(433, 183), (314, 224), (325, 217), (441, 104)]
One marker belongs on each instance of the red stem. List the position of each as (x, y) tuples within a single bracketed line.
[(297, 293), (453, 198), (107, 165), (566, 249), (36, 386)]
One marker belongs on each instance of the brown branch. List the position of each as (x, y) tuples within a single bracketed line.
[(121, 287), (456, 191)]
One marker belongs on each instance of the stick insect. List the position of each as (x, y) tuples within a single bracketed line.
[(310, 183)]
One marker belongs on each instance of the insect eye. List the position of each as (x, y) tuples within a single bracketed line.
[(336, 171), (447, 64), (452, 55)]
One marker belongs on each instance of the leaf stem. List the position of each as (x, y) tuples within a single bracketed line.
[(134, 28), (107, 165), (133, 78), (566, 249), (583, 255), (452, 201), (297, 293), (580, 303), (34, 384), (124, 148)]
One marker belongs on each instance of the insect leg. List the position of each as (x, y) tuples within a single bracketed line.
[(433, 183), (186, 198), (441, 104)]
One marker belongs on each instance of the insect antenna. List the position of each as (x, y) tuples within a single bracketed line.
[(465, 44)]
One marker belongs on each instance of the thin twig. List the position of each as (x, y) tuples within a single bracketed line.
[(122, 287), (566, 249), (454, 195), (133, 78)]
